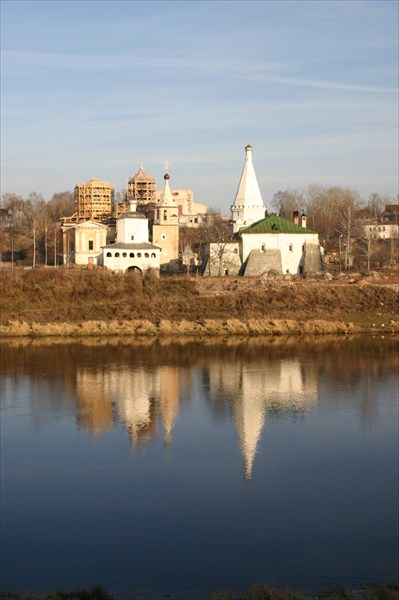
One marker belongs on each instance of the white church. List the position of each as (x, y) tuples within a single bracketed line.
[(261, 243)]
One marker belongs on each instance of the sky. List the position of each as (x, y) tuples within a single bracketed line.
[(94, 89)]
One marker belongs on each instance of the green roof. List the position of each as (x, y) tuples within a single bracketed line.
[(274, 224)]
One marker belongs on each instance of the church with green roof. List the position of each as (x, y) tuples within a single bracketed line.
[(262, 243)]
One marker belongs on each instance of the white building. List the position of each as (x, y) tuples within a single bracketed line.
[(83, 242), (282, 245), (191, 214), (248, 205), (132, 250)]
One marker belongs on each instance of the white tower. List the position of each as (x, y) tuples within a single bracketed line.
[(248, 205)]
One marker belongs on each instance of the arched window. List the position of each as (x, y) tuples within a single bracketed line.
[(109, 254), (291, 248), (165, 215), (147, 255), (116, 254), (131, 255), (138, 254), (153, 255), (124, 255)]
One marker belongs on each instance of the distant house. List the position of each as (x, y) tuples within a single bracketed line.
[(385, 226)]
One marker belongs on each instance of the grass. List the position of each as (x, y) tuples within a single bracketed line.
[(69, 302), (258, 592)]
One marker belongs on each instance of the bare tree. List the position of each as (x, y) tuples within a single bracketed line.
[(349, 225), (367, 246), (285, 202), (35, 210)]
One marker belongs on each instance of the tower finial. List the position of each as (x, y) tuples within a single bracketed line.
[(166, 166)]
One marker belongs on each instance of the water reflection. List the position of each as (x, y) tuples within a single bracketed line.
[(312, 423), (252, 390), (141, 385)]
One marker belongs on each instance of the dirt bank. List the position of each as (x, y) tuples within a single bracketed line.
[(68, 302)]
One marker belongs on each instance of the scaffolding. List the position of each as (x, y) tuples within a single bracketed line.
[(93, 200), (142, 187)]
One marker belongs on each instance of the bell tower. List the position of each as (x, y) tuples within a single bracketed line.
[(165, 230)]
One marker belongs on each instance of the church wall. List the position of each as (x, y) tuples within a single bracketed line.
[(290, 245), (167, 237), (142, 259), (131, 230)]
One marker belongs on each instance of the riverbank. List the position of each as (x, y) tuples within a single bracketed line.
[(80, 303), (258, 592)]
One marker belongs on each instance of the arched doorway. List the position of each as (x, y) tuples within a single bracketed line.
[(134, 269)]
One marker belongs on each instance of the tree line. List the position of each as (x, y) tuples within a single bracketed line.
[(30, 227)]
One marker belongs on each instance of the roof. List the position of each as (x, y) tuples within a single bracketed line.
[(274, 224), (137, 246), (132, 215), (248, 193), (143, 175)]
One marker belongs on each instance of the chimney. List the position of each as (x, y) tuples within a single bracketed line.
[(295, 217), (303, 219)]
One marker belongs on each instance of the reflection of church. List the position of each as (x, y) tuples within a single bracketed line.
[(135, 397), (143, 399), (256, 388)]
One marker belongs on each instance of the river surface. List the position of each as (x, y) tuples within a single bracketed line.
[(199, 465)]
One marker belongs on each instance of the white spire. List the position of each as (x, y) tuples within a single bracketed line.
[(167, 198), (248, 205)]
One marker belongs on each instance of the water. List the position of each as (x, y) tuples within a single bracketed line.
[(197, 466)]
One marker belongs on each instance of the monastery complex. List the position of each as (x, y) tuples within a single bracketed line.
[(143, 232)]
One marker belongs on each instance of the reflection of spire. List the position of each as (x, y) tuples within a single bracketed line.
[(169, 400), (249, 419), (255, 389)]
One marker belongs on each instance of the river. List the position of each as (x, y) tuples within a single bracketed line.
[(199, 464)]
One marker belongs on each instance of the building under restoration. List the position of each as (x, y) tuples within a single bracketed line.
[(93, 200)]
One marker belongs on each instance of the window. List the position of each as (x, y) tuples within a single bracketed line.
[(153, 255), (138, 254), (263, 248), (91, 244), (131, 255), (163, 236), (291, 248), (132, 237), (165, 215), (109, 254), (147, 255), (116, 254), (124, 255)]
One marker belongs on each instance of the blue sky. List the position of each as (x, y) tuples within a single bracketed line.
[(92, 89)]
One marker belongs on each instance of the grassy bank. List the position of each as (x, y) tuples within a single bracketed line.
[(259, 592), (84, 303)]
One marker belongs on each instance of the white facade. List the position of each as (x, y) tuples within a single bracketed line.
[(291, 246), (382, 231), (83, 242), (132, 227), (248, 205), (132, 250), (131, 257)]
